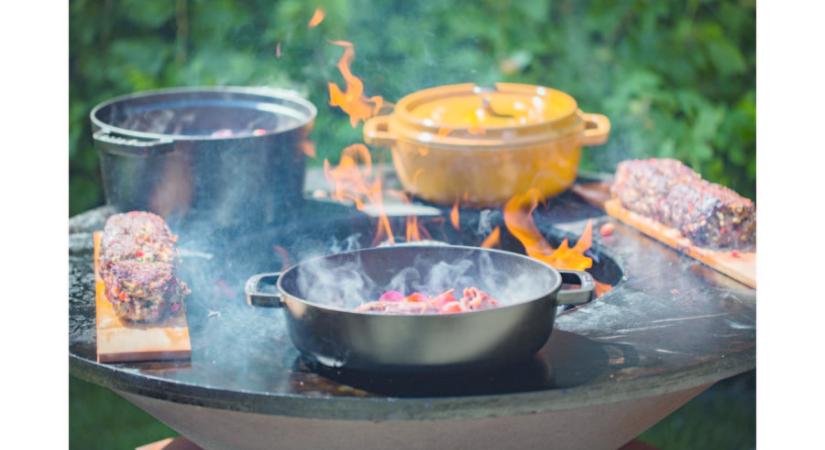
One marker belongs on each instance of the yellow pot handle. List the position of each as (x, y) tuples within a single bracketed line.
[(376, 131), (596, 128)]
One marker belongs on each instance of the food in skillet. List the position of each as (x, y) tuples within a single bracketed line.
[(137, 265), (394, 302), (669, 192)]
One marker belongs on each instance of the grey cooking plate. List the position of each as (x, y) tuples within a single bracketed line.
[(333, 334)]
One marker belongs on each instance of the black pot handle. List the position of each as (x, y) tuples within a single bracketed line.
[(255, 297), (132, 147), (580, 295)]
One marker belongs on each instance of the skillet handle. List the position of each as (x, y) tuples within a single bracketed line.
[(255, 297), (113, 143), (576, 296)]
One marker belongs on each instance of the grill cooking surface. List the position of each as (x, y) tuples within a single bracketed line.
[(669, 324)]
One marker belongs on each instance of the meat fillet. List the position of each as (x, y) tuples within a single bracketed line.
[(137, 264), (669, 192)]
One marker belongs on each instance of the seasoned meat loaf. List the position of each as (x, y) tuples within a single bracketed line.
[(137, 264), (669, 192)]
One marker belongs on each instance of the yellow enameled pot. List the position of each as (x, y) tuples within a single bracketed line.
[(482, 145)]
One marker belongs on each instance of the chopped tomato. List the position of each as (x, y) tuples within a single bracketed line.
[(442, 299), (451, 307), (416, 297)]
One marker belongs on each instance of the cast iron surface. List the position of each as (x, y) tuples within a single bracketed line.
[(670, 324)]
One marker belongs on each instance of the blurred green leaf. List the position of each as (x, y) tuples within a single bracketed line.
[(149, 14), (726, 57), (676, 79)]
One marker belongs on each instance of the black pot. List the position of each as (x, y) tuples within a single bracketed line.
[(336, 335), (221, 155)]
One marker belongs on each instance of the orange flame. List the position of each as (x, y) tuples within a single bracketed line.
[(454, 217), (519, 221), (413, 232), (317, 18), (352, 101), (353, 180), (308, 147), (493, 239), (602, 288)]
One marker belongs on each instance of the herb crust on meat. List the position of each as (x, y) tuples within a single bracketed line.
[(137, 265), (669, 192)]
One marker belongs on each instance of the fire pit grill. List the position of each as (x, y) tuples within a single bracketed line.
[(668, 329)]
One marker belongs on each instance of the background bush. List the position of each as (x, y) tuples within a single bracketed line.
[(676, 78)]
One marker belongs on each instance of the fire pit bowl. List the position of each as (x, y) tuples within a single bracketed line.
[(226, 155), (319, 295)]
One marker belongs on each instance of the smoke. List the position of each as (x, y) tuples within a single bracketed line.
[(350, 243), (486, 220), (351, 283), (339, 285)]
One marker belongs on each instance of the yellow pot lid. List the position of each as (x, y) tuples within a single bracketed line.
[(460, 113)]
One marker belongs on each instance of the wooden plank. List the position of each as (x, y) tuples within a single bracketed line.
[(120, 341), (740, 266), (595, 193)]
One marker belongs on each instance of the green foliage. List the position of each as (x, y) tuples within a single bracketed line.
[(676, 78), (99, 419), (722, 417)]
